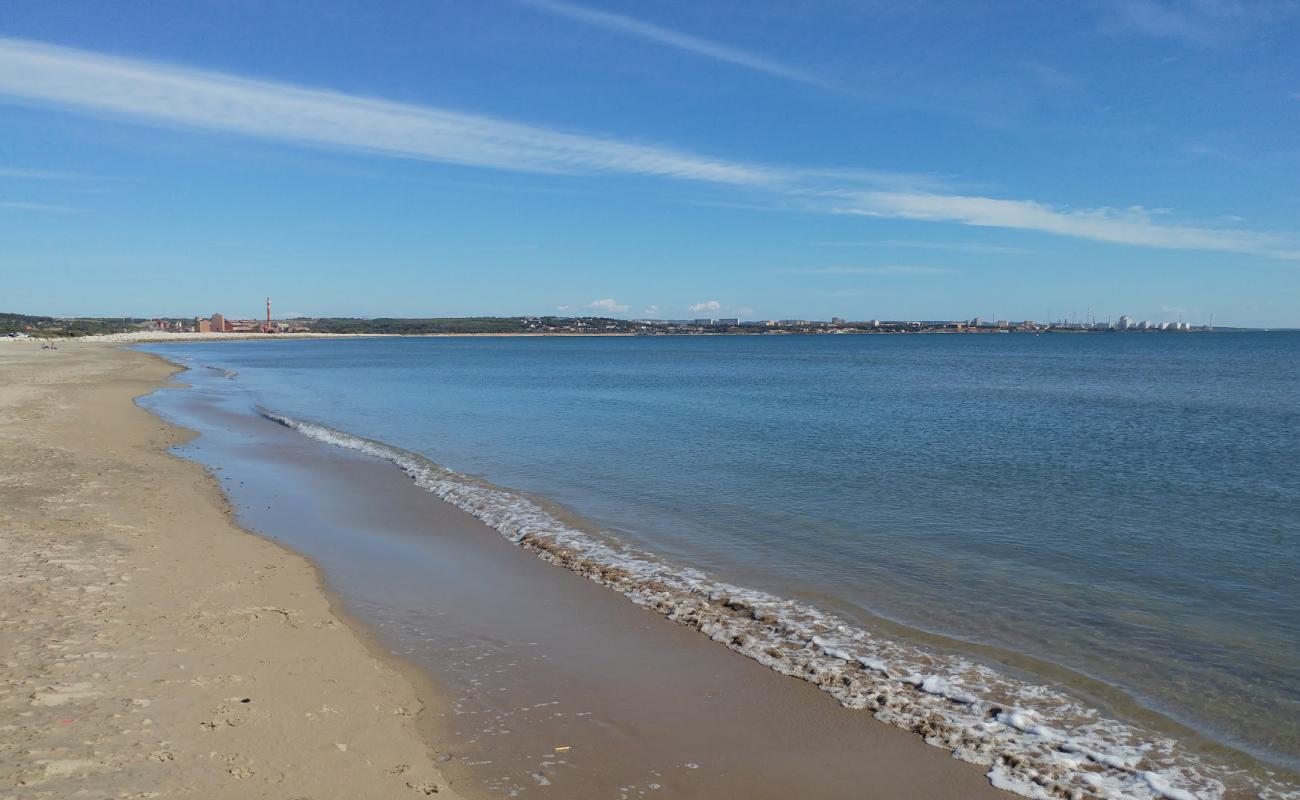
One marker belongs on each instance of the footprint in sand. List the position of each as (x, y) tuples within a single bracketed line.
[(58, 695)]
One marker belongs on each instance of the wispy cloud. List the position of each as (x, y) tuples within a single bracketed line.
[(707, 305), (44, 175), (171, 96), (1132, 226), (682, 41), (1050, 76), (1195, 22), (882, 269), (1155, 18), (19, 205), (957, 247)]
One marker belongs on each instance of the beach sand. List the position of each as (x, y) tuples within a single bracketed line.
[(148, 646)]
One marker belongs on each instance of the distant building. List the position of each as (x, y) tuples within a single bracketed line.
[(837, 320), (1125, 322), (218, 323), (729, 321), (202, 325), (702, 321)]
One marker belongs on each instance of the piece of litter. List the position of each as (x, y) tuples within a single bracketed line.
[(562, 749)]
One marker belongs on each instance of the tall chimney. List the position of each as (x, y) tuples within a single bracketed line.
[(268, 315)]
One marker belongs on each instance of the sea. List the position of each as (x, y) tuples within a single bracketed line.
[(1074, 558)]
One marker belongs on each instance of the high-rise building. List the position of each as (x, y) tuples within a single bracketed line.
[(1125, 322), (218, 323)]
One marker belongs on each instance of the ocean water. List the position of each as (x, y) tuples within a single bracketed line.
[(1072, 558)]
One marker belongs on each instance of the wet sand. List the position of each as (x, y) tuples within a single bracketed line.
[(555, 686), (149, 647)]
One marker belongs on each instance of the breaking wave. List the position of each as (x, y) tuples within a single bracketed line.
[(229, 374), (1035, 740)]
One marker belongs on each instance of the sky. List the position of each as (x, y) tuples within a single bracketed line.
[(868, 159)]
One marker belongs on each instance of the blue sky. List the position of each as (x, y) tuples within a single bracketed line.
[(869, 159)]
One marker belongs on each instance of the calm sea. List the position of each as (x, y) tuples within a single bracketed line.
[(1117, 513)]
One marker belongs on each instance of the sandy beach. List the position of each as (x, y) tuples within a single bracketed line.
[(600, 400), (155, 648), (151, 647)]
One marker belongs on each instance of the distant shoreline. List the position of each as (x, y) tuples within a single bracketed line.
[(161, 337)]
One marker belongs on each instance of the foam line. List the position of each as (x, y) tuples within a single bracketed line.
[(1035, 740)]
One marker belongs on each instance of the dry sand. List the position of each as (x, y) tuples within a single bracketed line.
[(148, 646)]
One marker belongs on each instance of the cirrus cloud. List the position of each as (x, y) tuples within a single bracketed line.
[(166, 95), (882, 269), (1132, 226), (171, 95), (22, 205), (682, 41)]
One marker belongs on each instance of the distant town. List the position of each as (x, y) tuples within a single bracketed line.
[(26, 325)]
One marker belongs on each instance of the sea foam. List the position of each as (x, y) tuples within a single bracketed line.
[(1035, 740)]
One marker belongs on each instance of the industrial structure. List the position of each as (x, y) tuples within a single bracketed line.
[(218, 323)]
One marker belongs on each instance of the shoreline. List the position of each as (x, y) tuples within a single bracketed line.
[(418, 677), (155, 337), (822, 667), (132, 575), (1033, 758), (460, 601)]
